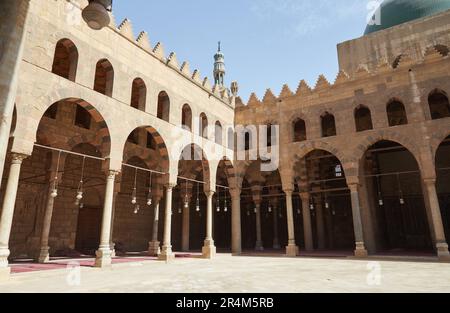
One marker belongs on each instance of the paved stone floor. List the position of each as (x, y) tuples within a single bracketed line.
[(241, 274)]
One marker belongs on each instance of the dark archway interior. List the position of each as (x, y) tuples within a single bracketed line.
[(264, 188), (393, 177), (222, 210), (330, 204), (443, 183)]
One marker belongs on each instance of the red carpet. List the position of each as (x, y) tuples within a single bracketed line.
[(26, 266)]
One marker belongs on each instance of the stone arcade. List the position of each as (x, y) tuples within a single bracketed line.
[(115, 147)]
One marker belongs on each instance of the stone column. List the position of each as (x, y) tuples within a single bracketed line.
[(236, 231), (166, 251), (307, 226), (44, 255), (320, 224), (7, 213), (154, 245), (103, 255), (112, 244), (292, 248), (436, 217), (13, 15), (209, 250), (276, 242), (185, 226), (259, 244), (360, 250)]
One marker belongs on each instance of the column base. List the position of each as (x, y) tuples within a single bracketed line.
[(4, 264), (209, 250), (259, 246), (442, 252), (154, 248), (276, 245), (5, 273), (103, 258), (44, 255), (360, 251), (166, 254), (292, 250), (113, 249)]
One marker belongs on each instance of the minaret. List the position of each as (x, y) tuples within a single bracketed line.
[(219, 68)]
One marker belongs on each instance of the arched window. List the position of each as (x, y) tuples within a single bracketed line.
[(269, 135), (203, 127), (65, 61), (230, 138), (104, 78), (439, 105), (396, 113), (138, 94), (272, 136), (186, 117), (299, 127), (163, 106), (363, 119), (218, 133), (328, 125), (248, 141)]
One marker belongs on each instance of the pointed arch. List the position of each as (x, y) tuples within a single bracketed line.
[(396, 113), (164, 106), (104, 78), (363, 118), (439, 104), (328, 123), (203, 125), (218, 133), (138, 94), (65, 61), (299, 130)]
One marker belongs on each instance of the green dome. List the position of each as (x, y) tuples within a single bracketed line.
[(396, 12)]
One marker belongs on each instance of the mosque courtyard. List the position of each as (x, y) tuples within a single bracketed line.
[(246, 274)]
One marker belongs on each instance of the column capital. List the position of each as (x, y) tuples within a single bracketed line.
[(305, 195), (209, 193), (352, 180), (288, 192), (17, 158), (353, 187), (170, 185), (112, 173), (235, 193)]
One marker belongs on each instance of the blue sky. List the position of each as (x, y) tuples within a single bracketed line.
[(267, 43)]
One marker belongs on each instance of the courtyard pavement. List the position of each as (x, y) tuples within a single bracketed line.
[(228, 274)]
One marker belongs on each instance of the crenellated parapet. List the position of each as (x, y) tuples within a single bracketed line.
[(362, 76), (125, 29)]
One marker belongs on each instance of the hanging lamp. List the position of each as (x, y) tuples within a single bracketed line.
[(54, 192), (79, 196)]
